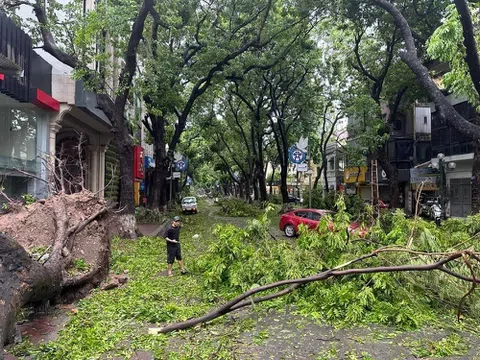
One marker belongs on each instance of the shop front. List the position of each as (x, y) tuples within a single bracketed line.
[(26, 106), (23, 144)]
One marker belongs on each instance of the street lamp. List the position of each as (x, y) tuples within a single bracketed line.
[(442, 165)]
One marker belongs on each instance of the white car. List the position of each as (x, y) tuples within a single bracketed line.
[(189, 204)]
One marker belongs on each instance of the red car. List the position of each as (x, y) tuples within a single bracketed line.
[(290, 221)]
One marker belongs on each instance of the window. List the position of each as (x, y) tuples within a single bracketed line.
[(23, 140), (331, 164), (18, 138), (315, 216), (302, 214)]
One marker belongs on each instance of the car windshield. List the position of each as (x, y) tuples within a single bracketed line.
[(189, 201)]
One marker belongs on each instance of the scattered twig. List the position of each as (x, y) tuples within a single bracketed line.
[(418, 194), (472, 289), (113, 169)]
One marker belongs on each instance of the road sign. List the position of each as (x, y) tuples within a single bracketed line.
[(176, 174), (181, 165), (302, 167), (296, 155)]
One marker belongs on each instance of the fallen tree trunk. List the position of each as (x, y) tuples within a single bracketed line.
[(246, 298), (77, 225), (23, 280)]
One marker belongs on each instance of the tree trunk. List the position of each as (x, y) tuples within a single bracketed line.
[(325, 176), (262, 184), (23, 281), (125, 150), (272, 179), (317, 177), (283, 184), (240, 190), (392, 176), (255, 188)]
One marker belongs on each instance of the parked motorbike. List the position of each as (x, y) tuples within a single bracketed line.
[(432, 210)]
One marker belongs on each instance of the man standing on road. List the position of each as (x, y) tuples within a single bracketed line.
[(172, 235)]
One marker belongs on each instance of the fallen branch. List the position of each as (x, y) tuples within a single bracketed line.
[(245, 300)]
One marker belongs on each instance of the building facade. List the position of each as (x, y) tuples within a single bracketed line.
[(46, 117), (26, 107), (458, 149)]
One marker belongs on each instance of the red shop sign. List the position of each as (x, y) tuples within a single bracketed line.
[(138, 163)]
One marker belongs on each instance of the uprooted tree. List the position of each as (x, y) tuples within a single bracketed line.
[(41, 243)]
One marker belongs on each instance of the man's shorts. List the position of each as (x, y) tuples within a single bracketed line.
[(173, 252)]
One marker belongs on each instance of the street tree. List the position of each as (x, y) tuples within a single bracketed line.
[(191, 45), (447, 45), (469, 69), (370, 44)]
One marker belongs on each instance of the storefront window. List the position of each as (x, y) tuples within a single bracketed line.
[(18, 135), (22, 143)]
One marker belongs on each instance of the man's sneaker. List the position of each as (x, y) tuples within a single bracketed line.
[(183, 272)]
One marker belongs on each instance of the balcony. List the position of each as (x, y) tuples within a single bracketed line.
[(15, 55)]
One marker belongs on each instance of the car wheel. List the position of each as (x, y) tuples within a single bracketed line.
[(289, 230)]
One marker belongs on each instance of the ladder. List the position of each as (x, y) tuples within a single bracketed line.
[(374, 182)]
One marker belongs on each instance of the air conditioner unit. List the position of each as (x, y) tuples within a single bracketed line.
[(422, 120)]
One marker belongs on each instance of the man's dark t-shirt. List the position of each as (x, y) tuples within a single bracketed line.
[(173, 233)]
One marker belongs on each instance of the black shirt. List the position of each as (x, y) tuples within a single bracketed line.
[(173, 233)]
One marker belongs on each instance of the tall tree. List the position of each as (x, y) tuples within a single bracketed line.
[(186, 60), (469, 66)]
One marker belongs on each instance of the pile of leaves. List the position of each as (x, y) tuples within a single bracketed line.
[(234, 207), (241, 259)]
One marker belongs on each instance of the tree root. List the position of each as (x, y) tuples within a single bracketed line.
[(24, 280)]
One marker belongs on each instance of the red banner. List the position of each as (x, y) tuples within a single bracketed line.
[(138, 163)]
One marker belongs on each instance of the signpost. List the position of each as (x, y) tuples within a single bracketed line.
[(309, 173), (296, 155), (430, 178), (302, 167)]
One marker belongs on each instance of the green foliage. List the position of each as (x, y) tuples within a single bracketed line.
[(240, 259), (28, 199), (451, 345), (353, 203), (235, 207), (80, 264), (446, 45), (114, 324)]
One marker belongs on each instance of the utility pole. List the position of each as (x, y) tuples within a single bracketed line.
[(171, 183), (442, 188), (309, 173)]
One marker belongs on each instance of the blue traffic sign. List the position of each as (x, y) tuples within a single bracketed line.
[(295, 155), (181, 165)]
